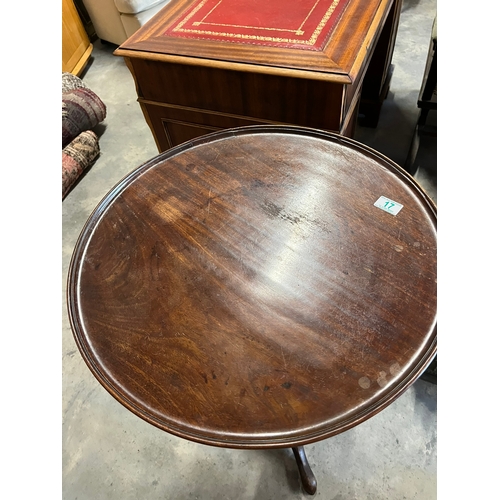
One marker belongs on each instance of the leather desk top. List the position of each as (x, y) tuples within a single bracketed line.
[(325, 38), (245, 289), (306, 24)]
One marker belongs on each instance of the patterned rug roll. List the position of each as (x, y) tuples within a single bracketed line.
[(81, 110), (77, 156), (71, 82)]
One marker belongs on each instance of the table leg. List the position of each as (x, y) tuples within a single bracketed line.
[(378, 74), (306, 474)]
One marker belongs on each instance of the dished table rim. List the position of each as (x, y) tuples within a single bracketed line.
[(294, 438)]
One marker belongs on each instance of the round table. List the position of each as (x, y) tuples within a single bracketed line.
[(258, 287)]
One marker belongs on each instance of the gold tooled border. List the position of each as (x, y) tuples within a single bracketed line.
[(311, 41)]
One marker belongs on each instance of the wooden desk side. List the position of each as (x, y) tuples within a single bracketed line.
[(203, 99)]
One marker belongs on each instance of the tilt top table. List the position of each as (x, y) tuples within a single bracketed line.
[(259, 287), (205, 65)]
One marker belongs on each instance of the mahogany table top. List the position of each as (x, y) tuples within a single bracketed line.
[(246, 289)]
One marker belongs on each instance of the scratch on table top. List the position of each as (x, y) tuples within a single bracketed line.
[(283, 356)]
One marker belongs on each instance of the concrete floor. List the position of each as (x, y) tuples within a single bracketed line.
[(109, 453)]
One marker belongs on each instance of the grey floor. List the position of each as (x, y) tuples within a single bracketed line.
[(108, 453)]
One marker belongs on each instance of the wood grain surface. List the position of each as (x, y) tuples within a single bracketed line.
[(242, 290), (76, 46)]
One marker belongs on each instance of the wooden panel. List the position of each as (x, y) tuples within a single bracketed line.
[(173, 125), (378, 75), (256, 96), (380, 61), (76, 46)]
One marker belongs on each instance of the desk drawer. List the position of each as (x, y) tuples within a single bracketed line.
[(172, 125)]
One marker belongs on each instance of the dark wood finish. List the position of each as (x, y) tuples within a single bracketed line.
[(306, 474), (378, 76), (427, 101), (173, 124), (430, 374), (311, 88), (242, 290)]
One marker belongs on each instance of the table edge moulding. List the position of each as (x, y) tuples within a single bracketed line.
[(286, 441), (192, 254)]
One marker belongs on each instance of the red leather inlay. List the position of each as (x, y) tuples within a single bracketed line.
[(303, 24)]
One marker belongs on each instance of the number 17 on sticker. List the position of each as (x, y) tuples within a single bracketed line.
[(390, 206)]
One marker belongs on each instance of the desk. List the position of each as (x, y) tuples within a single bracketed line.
[(244, 290), (206, 65)]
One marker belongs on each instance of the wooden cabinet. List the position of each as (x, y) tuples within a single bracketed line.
[(76, 46), (203, 65)]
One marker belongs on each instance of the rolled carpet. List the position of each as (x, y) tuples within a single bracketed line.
[(78, 155), (82, 110)]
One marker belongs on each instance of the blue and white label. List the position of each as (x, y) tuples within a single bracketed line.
[(390, 206)]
